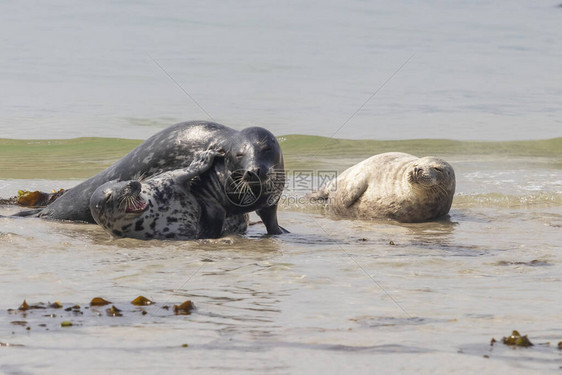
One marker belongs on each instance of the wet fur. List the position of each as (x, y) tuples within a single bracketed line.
[(392, 185), (172, 211), (174, 148)]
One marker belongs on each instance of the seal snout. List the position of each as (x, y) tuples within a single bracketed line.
[(415, 175), (132, 199), (422, 176), (255, 174), (133, 187), (249, 176)]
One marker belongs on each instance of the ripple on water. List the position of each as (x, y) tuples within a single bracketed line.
[(531, 263), (392, 321)]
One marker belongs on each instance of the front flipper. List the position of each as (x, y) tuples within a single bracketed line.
[(268, 215), (350, 189), (202, 161), (27, 213)]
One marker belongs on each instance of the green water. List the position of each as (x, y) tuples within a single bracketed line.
[(82, 157), (60, 159)]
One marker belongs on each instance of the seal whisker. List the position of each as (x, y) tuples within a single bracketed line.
[(123, 201), (441, 189), (239, 187), (141, 177), (242, 190), (239, 183), (249, 190)]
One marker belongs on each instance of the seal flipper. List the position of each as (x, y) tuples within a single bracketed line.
[(322, 194), (347, 193), (319, 195), (202, 161), (27, 213), (268, 215)]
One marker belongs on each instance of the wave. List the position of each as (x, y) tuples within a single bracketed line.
[(83, 157), (60, 159), (539, 199), (323, 146)]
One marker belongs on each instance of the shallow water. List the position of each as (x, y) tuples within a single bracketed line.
[(333, 295)]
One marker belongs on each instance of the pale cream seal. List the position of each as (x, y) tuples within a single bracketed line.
[(392, 185)]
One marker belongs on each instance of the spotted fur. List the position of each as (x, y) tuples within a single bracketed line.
[(161, 207)]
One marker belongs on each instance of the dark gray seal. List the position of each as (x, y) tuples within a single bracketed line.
[(250, 176), (161, 207), (392, 185)]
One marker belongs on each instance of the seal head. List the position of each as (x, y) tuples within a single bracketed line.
[(432, 173), (116, 205), (257, 176), (250, 177)]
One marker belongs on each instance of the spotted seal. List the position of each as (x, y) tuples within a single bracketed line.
[(392, 185), (248, 178), (161, 207)]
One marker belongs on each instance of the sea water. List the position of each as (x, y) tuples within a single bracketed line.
[(437, 69), (334, 295)]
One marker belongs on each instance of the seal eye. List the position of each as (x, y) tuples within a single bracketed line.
[(239, 155), (438, 170)]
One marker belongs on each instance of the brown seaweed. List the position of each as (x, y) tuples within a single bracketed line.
[(141, 301), (37, 198), (8, 344), (113, 311), (517, 340), (184, 309), (98, 301), (24, 306)]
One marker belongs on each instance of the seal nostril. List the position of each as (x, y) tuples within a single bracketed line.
[(134, 187)]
